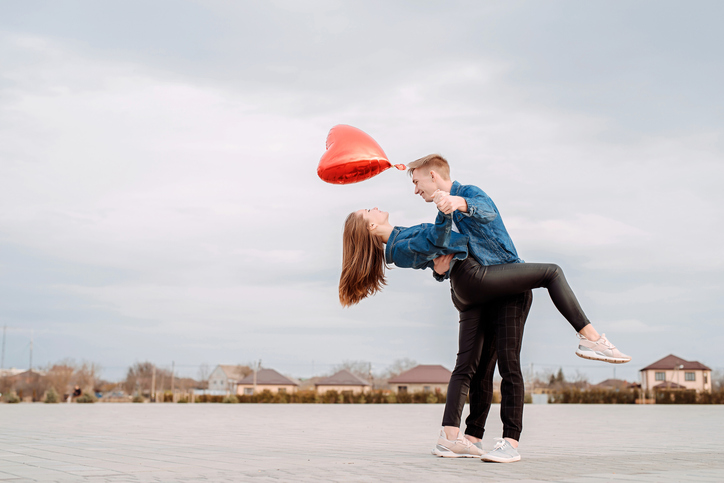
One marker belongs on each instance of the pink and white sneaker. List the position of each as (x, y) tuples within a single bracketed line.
[(600, 350), (460, 447)]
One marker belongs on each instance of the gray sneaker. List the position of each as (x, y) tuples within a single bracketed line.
[(502, 453), (460, 447), (600, 350)]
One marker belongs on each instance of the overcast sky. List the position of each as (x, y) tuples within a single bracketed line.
[(159, 198)]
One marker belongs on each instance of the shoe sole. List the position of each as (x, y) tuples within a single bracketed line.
[(450, 454), (493, 459), (592, 356)]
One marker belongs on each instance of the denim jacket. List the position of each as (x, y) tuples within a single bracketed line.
[(489, 241), (419, 245)]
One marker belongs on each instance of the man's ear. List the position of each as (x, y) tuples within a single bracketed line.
[(434, 176)]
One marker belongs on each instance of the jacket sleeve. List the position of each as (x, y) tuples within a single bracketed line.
[(441, 231), (480, 207)]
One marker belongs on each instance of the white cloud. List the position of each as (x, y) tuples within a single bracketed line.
[(198, 181)]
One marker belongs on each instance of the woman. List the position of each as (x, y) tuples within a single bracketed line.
[(370, 242)]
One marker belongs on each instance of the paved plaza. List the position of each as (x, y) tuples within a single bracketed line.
[(350, 443)]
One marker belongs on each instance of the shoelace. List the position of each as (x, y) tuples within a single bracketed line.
[(605, 342), (465, 441), (499, 444)]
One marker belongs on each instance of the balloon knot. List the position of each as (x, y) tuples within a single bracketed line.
[(401, 167)]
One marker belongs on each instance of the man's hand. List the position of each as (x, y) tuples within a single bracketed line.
[(442, 263), (447, 204)]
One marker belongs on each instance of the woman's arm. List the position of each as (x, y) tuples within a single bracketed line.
[(440, 233)]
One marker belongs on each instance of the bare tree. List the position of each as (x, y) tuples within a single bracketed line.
[(140, 376), (580, 380), (717, 380), (60, 375), (399, 366), (86, 376), (359, 368), (203, 376), (244, 370)]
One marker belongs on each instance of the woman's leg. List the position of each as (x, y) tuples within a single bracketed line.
[(451, 443), (477, 284), (470, 343), (481, 387)]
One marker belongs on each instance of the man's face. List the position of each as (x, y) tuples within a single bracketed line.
[(424, 184)]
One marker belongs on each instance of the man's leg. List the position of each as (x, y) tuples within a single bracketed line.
[(510, 322), (481, 387)]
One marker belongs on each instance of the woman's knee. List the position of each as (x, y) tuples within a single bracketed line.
[(465, 369), (553, 271)]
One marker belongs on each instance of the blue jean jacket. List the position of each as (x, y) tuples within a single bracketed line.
[(489, 242), (417, 246)]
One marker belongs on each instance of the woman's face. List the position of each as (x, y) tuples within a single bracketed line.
[(374, 216)]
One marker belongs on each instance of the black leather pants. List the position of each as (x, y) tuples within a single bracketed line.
[(475, 284)]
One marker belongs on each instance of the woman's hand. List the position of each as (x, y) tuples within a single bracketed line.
[(447, 204), (442, 263)]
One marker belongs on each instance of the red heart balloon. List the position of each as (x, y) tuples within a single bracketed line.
[(352, 156)]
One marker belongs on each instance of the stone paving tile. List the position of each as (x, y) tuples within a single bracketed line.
[(351, 443)]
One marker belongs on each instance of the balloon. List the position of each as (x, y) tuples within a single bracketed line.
[(352, 156)]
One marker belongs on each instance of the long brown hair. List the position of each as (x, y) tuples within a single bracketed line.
[(363, 262)]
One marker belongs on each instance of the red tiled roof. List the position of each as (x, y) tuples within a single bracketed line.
[(342, 378), (268, 377), (619, 383), (673, 362), (423, 374)]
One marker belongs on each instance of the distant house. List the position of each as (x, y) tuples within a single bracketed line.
[(422, 378), (673, 372), (10, 372), (28, 384), (266, 379), (342, 381), (224, 378), (617, 384)]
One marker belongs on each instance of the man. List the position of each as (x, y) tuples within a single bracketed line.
[(489, 332)]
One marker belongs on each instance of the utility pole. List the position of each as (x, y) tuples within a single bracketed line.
[(2, 363), (173, 381), (369, 375), (532, 378), (153, 384), (256, 369), (31, 351)]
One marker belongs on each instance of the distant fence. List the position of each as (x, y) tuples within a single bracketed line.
[(560, 396), (633, 396), (329, 397)]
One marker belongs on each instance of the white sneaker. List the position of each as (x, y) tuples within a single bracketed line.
[(460, 447), (600, 350), (502, 453)]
